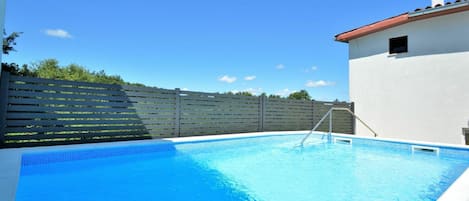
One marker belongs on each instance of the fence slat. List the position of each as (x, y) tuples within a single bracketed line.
[(28, 87), (147, 89), (25, 123), (60, 129), (62, 82), (79, 116), (31, 101), (28, 108), (70, 95)]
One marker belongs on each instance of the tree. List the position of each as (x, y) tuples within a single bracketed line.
[(300, 95), (14, 69), (274, 96), (8, 46), (50, 68), (244, 93), (9, 42)]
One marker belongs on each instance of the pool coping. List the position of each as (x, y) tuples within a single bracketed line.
[(11, 158)]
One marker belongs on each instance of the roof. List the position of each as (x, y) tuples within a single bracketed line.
[(418, 14)]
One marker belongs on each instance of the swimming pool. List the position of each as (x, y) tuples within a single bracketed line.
[(256, 168)]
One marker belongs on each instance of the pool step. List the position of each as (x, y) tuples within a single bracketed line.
[(425, 149), (338, 140)]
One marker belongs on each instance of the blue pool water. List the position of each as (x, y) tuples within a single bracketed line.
[(262, 168)]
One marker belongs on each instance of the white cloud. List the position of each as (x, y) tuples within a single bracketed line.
[(250, 78), (313, 68), (319, 83), (284, 92), (185, 89), (280, 66), (253, 91), (227, 79), (59, 33)]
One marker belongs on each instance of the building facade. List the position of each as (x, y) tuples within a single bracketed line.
[(409, 74)]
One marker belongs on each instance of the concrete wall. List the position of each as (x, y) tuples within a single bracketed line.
[(419, 95)]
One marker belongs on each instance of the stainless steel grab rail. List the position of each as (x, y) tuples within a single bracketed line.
[(329, 113)]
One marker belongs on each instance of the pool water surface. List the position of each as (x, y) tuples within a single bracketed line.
[(268, 168)]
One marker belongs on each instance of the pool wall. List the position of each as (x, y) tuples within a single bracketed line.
[(12, 158)]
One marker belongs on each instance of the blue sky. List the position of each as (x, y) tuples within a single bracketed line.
[(207, 45)]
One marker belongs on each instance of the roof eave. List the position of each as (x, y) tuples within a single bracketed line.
[(401, 19), (372, 28)]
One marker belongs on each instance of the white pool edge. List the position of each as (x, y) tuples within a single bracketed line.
[(11, 159), (458, 191)]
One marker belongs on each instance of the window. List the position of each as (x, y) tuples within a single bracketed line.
[(398, 45)]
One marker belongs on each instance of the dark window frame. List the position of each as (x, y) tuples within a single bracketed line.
[(398, 45)]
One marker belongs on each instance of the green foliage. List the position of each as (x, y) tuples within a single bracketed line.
[(244, 93), (16, 70), (300, 95), (9, 42), (274, 96), (241, 93), (51, 69)]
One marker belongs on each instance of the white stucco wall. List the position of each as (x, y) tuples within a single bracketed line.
[(419, 95)]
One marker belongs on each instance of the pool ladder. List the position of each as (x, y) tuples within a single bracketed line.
[(329, 134)]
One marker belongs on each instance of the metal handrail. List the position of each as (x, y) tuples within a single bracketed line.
[(329, 113)]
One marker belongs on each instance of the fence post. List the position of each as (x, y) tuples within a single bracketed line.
[(4, 82), (352, 108), (177, 112), (262, 102), (312, 114)]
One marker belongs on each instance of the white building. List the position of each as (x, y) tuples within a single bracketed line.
[(409, 74)]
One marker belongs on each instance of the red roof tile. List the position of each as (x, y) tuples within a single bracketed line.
[(418, 14)]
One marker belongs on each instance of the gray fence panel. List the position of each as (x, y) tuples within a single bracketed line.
[(285, 114), (209, 114), (43, 111), (342, 121), (38, 112)]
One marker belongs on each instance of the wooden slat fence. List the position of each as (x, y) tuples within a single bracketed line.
[(342, 121), (208, 114), (37, 112), (285, 114), (44, 112)]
